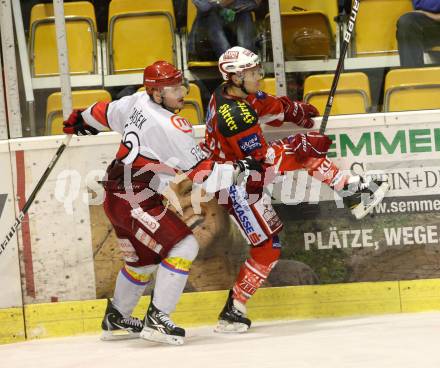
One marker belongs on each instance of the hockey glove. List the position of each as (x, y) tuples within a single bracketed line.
[(311, 144), (298, 112), (75, 124), (244, 167)]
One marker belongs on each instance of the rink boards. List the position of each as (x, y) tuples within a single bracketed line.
[(202, 308), (52, 258)]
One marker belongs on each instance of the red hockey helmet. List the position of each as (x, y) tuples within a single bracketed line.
[(161, 74)]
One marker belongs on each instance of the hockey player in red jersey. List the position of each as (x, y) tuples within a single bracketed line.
[(156, 143), (236, 112)]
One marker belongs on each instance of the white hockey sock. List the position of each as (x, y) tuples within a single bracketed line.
[(172, 274), (130, 286)]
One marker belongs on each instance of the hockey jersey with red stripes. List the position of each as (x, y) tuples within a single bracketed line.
[(153, 136)]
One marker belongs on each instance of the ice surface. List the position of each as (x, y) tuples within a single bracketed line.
[(398, 341)]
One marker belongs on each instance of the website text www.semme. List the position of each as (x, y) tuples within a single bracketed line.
[(408, 206)]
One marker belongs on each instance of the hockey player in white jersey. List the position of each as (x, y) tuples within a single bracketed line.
[(156, 143)]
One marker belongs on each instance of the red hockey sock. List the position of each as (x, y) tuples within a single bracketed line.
[(251, 276)]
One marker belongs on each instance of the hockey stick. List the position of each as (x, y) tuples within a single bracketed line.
[(347, 37), (31, 198)]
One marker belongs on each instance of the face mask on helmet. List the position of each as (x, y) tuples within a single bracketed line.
[(253, 74), (173, 96), (177, 91), (249, 79)]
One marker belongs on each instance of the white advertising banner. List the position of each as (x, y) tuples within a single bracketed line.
[(401, 239), (68, 250)]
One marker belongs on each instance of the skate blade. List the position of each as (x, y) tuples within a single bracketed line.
[(118, 335), (156, 336), (361, 210), (228, 327)]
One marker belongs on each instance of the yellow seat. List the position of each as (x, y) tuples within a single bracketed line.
[(81, 39), (352, 95), (376, 26), (308, 28), (326, 7), (140, 32), (412, 89), (268, 85), (193, 108), (80, 100), (191, 16)]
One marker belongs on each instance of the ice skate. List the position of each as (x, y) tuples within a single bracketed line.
[(158, 327), (116, 327), (362, 193), (232, 318)]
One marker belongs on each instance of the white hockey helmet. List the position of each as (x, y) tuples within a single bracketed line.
[(236, 59)]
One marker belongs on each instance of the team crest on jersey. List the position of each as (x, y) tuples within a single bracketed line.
[(249, 143), (181, 123)]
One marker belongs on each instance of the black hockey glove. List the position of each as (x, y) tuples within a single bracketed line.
[(250, 164), (244, 167)]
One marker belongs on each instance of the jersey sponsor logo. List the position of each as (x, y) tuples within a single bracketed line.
[(246, 114), (235, 117), (271, 217), (181, 123), (254, 238), (249, 143), (145, 219), (148, 241), (267, 216), (243, 212), (225, 112)]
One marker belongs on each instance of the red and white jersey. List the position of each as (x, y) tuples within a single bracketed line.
[(151, 135), (233, 125)]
